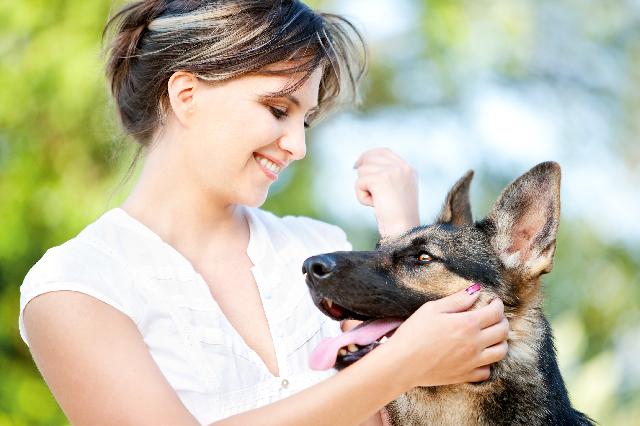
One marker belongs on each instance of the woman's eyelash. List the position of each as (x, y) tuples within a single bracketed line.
[(278, 114)]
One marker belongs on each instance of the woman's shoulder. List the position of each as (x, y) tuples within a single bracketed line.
[(89, 263), (92, 249)]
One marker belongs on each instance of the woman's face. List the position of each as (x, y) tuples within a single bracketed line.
[(238, 140)]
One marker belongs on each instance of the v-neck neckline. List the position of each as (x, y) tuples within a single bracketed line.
[(256, 249)]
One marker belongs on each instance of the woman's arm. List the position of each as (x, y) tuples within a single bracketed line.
[(348, 398), (454, 347), (96, 363), (390, 185), (100, 371)]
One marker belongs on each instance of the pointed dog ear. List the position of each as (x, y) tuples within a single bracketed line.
[(457, 208), (524, 221)]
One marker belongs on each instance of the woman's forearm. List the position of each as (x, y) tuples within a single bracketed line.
[(451, 349), (348, 398)]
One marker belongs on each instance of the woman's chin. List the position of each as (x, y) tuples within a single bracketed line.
[(253, 198)]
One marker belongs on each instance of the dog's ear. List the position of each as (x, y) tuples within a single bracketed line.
[(457, 208), (524, 221)]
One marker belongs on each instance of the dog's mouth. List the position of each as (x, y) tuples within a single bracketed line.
[(344, 350), (338, 312)]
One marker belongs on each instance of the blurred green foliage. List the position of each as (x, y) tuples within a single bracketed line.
[(62, 158)]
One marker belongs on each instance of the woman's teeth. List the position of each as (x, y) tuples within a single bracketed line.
[(270, 165)]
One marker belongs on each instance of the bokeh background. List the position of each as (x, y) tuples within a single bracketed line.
[(496, 86)]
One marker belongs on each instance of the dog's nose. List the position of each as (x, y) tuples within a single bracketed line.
[(320, 267)]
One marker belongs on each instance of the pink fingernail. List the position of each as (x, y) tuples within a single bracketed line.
[(473, 289)]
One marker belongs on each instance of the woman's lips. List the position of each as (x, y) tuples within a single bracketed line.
[(268, 167)]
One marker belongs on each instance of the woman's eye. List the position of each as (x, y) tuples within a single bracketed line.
[(424, 257), (277, 112)]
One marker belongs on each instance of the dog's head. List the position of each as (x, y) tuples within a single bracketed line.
[(506, 252)]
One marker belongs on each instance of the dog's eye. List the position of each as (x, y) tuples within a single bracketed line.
[(424, 257)]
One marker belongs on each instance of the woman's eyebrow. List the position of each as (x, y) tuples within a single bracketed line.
[(291, 98), (296, 102)]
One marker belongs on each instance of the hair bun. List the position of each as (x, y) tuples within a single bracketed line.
[(133, 20), (178, 7), (136, 16), (130, 24)]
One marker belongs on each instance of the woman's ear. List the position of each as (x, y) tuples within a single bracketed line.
[(181, 88)]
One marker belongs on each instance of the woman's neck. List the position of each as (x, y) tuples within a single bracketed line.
[(169, 201)]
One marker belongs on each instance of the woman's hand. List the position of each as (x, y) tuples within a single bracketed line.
[(454, 346), (390, 185)]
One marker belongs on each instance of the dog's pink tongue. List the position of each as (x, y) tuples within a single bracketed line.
[(325, 354)]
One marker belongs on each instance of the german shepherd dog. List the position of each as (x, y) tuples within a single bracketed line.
[(506, 252)]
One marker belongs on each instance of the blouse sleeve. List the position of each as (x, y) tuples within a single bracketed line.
[(78, 266)]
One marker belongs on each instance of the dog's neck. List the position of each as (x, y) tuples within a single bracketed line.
[(525, 336), (526, 320), (459, 404)]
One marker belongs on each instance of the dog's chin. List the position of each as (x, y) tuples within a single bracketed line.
[(335, 311), (338, 312)]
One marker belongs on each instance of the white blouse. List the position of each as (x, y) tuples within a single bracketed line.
[(121, 262)]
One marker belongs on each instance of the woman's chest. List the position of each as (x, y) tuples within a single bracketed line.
[(234, 289), (200, 347)]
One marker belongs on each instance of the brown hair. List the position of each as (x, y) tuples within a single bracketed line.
[(220, 40)]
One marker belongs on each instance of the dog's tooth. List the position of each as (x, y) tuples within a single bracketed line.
[(329, 303), (352, 348), (384, 339), (342, 352)]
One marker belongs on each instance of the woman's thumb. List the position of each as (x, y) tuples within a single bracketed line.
[(459, 301)]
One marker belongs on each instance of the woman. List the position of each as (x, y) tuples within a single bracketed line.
[(186, 304)]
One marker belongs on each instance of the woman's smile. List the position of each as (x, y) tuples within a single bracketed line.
[(270, 167)]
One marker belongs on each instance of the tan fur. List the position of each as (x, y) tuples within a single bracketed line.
[(449, 405), (460, 404), (441, 281)]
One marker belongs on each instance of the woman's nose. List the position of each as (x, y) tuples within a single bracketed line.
[(294, 143)]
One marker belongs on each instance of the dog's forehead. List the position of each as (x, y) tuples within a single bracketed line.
[(439, 239), (464, 251)]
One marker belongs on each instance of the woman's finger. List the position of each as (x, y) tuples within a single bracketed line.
[(391, 155), (493, 353), (377, 160), (379, 155), (480, 374), (490, 314), (367, 156), (494, 334), (363, 193), (371, 169)]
